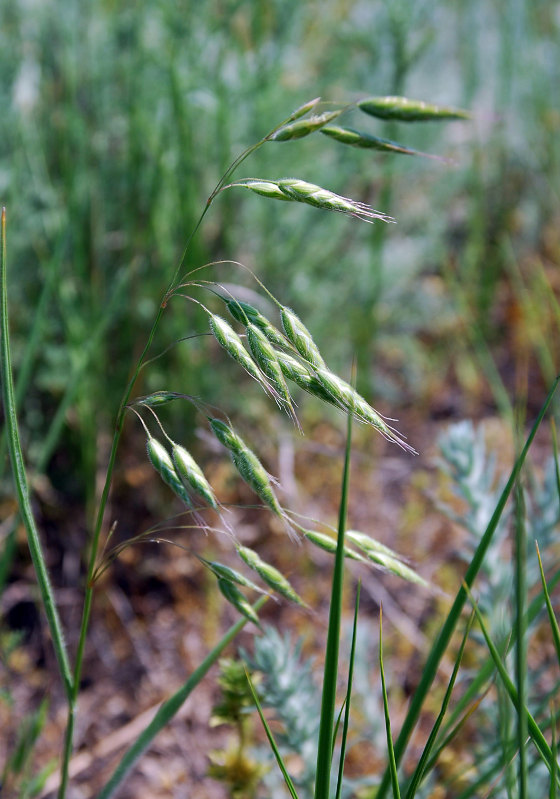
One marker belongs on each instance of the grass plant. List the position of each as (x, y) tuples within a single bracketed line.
[(100, 259)]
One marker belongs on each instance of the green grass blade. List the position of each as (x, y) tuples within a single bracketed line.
[(348, 694), (390, 748), (552, 618), (20, 478), (328, 699), (453, 616), (521, 630), (554, 775), (533, 728), (169, 708), (272, 742), (421, 768)]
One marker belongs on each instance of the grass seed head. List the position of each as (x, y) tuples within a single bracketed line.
[(366, 141), (297, 130), (226, 435), (270, 575), (405, 110), (162, 463), (255, 475), (234, 596), (226, 336), (267, 360), (302, 110), (300, 337), (233, 576), (191, 475), (303, 377), (244, 313), (329, 545), (303, 192), (266, 188)]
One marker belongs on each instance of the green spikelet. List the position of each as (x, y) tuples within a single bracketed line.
[(226, 336), (191, 475), (405, 110), (162, 463), (265, 356), (301, 338), (297, 130), (234, 596), (270, 575), (246, 313)]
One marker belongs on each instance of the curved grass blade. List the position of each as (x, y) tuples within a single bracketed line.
[(390, 749), (169, 708), (440, 645), (20, 477), (272, 742), (328, 698)]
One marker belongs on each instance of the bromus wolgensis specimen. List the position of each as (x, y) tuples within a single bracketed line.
[(270, 356)]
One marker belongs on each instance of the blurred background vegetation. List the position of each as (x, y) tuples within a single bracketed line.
[(119, 118)]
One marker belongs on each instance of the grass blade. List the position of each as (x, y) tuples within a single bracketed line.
[(272, 742), (328, 699), (533, 728), (440, 646), (348, 694), (521, 629), (552, 618), (390, 749), (169, 708), (554, 775), (421, 768), (20, 478)]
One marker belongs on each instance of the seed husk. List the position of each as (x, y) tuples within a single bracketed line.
[(267, 360), (239, 601), (304, 192), (300, 337), (191, 475), (405, 110), (162, 463), (302, 110), (226, 336), (244, 313), (329, 544), (248, 465), (266, 188), (270, 575), (304, 377), (385, 557), (303, 127), (158, 398), (366, 141), (227, 573)]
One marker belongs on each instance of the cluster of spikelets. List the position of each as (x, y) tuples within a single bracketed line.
[(275, 357)]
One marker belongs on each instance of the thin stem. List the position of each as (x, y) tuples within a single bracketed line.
[(20, 477)]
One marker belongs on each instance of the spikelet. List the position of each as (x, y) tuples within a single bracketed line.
[(385, 557), (244, 313), (405, 110), (266, 188), (304, 377), (301, 191), (269, 574), (233, 576), (297, 130), (251, 470), (191, 475), (162, 463), (239, 601), (265, 356), (366, 141), (300, 337), (351, 401), (329, 544), (302, 110), (158, 398), (226, 336)]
